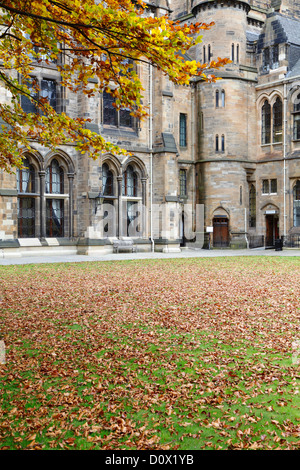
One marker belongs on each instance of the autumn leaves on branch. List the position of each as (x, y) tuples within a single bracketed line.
[(87, 41)]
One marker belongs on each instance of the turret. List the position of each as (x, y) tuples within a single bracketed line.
[(228, 37)]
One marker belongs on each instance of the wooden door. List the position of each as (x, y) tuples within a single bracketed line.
[(221, 232), (272, 230)]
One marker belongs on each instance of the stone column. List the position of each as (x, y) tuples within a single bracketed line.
[(42, 205), (119, 229), (144, 211), (71, 211)]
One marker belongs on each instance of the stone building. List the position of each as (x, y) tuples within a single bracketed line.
[(232, 147)]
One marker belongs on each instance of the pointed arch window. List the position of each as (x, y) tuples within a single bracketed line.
[(130, 182), (223, 143), (266, 123), (107, 181), (217, 143), (252, 206), (277, 121), (217, 98), (223, 98), (54, 178), (296, 204), (26, 200), (54, 206)]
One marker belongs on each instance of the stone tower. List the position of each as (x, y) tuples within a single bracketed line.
[(226, 114)]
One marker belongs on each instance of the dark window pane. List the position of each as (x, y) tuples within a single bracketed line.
[(223, 143), (26, 217), (266, 123), (126, 120), (107, 181), (217, 143), (27, 105), (266, 58), (273, 186), (109, 112), (183, 131), (54, 217), (252, 206), (277, 121)]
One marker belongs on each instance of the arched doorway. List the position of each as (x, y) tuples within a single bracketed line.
[(221, 231), (272, 228)]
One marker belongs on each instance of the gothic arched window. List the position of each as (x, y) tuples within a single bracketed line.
[(277, 120), (107, 181), (54, 178), (266, 123), (252, 206), (130, 182), (26, 200), (54, 206)]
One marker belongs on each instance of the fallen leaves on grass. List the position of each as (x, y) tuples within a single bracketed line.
[(151, 355)]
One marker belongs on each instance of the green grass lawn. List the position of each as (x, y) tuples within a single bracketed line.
[(161, 354)]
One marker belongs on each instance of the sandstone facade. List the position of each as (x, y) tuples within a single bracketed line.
[(232, 146)]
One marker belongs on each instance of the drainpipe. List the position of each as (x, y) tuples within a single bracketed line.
[(247, 241), (193, 97), (284, 156), (151, 153)]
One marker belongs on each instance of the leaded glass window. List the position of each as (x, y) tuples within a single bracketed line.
[(26, 217), (109, 111), (112, 116), (26, 205), (54, 178), (182, 183), (26, 178), (54, 218), (183, 130)]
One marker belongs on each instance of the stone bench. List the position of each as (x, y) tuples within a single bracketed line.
[(124, 245)]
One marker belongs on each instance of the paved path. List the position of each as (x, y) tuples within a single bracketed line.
[(190, 253)]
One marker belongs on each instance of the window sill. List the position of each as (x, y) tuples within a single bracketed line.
[(56, 196)]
